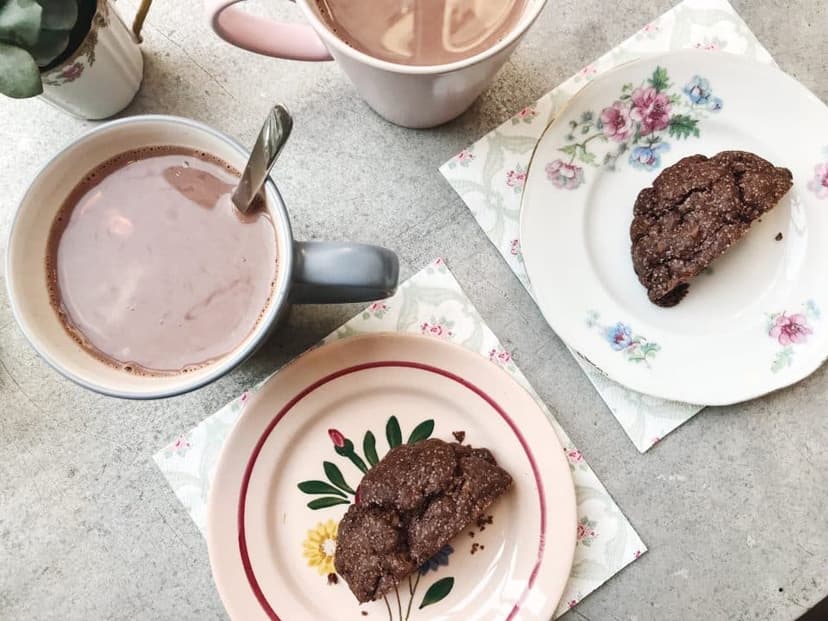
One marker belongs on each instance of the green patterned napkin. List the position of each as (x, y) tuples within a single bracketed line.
[(431, 303), (489, 176)]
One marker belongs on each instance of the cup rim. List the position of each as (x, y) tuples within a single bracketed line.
[(332, 40), (225, 364)]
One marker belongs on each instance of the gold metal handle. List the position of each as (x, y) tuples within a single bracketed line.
[(140, 16)]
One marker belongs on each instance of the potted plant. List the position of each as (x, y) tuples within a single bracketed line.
[(77, 54)]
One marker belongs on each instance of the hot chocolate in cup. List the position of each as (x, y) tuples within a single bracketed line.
[(469, 44), (302, 272)]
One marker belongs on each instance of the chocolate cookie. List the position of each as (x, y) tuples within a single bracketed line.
[(411, 504), (695, 210)]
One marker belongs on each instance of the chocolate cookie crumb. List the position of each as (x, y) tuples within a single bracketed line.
[(364, 613), (471, 533), (779, 236), (459, 436), (412, 503), (333, 579), (475, 547), (695, 210)]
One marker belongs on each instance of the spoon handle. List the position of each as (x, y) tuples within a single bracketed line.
[(273, 136)]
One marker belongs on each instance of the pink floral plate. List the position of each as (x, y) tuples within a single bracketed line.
[(294, 460), (753, 322)]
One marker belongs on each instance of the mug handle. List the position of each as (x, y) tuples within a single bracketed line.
[(263, 35), (342, 272)]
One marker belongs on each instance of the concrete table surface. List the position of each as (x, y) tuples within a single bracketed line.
[(733, 506)]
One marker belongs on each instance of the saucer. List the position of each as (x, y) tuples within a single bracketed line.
[(753, 322), (292, 464)]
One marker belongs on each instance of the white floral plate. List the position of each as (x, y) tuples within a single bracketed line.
[(751, 324), (291, 465)]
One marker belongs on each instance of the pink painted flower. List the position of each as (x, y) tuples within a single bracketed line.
[(709, 46), (378, 307), (563, 175), (819, 184), (72, 72), (651, 109), (439, 261), (244, 397), (575, 456), (502, 356), (514, 248), (637, 554), (650, 28), (527, 113), (790, 329), (516, 179), (181, 444), (465, 156), (588, 71), (435, 329), (336, 437), (572, 603), (616, 121)]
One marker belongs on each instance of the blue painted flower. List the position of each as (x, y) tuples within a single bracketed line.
[(716, 104), (698, 90), (619, 336), (438, 560), (648, 157)]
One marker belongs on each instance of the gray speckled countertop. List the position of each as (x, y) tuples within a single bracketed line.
[(732, 505)]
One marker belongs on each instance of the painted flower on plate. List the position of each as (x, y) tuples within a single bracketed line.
[(819, 183), (790, 329), (336, 437), (514, 247), (563, 175), (616, 122), (441, 559), (619, 336), (651, 109), (320, 547), (698, 90), (648, 157), (574, 456)]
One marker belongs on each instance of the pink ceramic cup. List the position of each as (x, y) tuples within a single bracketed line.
[(411, 96)]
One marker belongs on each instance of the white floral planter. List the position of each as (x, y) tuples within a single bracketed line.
[(103, 75)]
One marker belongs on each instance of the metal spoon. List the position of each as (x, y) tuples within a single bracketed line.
[(272, 138)]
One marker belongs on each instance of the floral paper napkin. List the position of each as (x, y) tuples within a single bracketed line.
[(431, 303), (489, 176)]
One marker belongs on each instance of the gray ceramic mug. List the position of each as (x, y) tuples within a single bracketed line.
[(307, 272)]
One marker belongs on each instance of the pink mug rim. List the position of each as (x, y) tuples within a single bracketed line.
[(331, 40)]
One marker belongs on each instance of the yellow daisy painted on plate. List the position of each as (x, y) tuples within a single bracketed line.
[(320, 547)]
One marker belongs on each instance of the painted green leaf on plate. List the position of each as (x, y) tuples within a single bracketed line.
[(421, 431), (334, 475), (393, 433), (437, 591), (326, 501), (319, 487)]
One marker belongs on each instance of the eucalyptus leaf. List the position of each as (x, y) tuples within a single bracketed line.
[(59, 14), (50, 45), (438, 591), (19, 74), (20, 21)]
